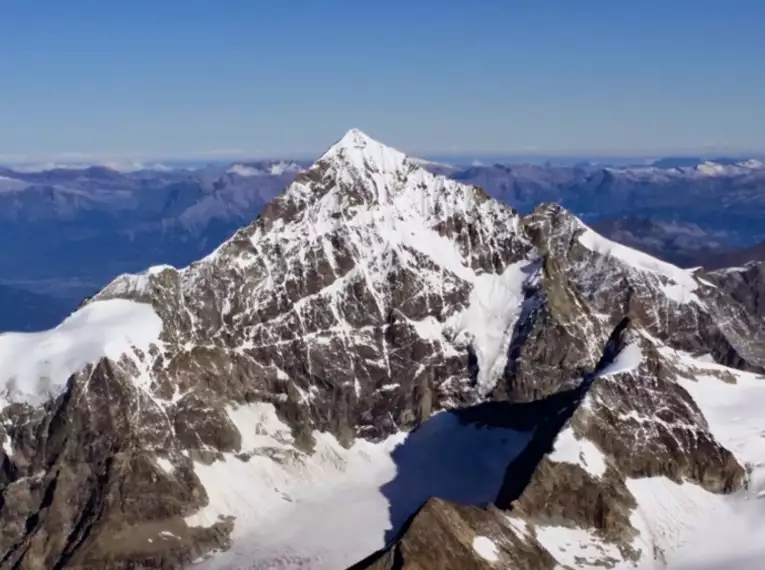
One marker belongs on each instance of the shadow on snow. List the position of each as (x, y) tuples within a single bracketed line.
[(481, 455)]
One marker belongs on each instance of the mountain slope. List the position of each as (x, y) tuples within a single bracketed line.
[(724, 198), (235, 403)]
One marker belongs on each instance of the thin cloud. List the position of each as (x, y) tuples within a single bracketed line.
[(221, 152), (120, 161)]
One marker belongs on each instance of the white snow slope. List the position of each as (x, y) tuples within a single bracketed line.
[(732, 535), (333, 508), (36, 366)]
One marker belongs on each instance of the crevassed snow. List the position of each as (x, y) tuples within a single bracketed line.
[(582, 452), (263, 489), (489, 320), (728, 539), (332, 508), (730, 536), (485, 548), (35, 366), (682, 284), (668, 513)]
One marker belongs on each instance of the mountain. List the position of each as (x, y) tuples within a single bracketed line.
[(719, 197), (388, 369)]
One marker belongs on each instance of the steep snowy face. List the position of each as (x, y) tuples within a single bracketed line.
[(393, 206)]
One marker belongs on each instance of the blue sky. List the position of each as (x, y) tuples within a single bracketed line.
[(184, 78)]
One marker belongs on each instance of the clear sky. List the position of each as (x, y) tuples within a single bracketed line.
[(176, 78)]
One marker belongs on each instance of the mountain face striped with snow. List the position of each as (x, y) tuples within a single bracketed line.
[(356, 375)]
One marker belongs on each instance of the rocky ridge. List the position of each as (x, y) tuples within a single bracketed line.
[(369, 295)]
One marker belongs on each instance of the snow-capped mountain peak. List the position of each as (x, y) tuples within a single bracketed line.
[(360, 181), (263, 388), (360, 151)]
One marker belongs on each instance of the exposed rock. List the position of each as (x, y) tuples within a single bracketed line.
[(442, 535)]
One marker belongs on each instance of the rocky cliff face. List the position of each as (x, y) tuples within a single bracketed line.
[(182, 412)]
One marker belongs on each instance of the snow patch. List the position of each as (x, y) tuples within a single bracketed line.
[(576, 547), (485, 548), (36, 366), (165, 465), (519, 526), (628, 359), (259, 426), (428, 329), (582, 452)]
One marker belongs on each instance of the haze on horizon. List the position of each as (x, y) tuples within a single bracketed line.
[(88, 80)]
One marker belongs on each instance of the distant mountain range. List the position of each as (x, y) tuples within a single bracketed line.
[(72, 230)]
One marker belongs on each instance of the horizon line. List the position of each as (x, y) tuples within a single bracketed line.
[(9, 160)]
